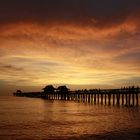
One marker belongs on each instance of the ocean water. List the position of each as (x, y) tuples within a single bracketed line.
[(33, 118)]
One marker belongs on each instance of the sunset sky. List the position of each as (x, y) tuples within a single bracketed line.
[(79, 43)]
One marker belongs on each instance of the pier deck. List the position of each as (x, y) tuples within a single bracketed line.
[(123, 96)]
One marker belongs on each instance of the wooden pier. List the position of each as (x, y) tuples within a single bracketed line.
[(125, 96)]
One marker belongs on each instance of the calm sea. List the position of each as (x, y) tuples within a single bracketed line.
[(34, 118)]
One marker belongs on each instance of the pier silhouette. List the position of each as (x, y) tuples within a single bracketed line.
[(126, 96)]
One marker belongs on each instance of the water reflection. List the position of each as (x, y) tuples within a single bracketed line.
[(37, 118)]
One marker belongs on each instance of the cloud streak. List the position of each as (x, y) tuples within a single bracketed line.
[(72, 42)]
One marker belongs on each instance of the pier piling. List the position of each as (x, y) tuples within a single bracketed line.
[(124, 96)]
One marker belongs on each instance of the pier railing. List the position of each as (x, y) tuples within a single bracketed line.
[(124, 96)]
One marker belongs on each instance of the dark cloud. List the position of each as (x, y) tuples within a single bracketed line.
[(131, 58), (10, 67), (102, 11), (128, 81)]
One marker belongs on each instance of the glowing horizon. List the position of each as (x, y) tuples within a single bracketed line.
[(70, 51)]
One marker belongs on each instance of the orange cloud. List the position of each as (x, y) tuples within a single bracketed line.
[(37, 54)]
